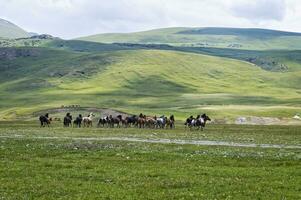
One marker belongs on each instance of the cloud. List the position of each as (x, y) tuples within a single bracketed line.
[(74, 18), (259, 10)]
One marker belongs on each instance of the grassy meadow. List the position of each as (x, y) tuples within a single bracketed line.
[(48, 163)]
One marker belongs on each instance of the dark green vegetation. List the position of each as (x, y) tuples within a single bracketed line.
[(64, 168), (10, 30)]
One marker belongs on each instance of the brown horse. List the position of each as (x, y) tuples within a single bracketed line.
[(150, 122), (170, 122), (141, 121)]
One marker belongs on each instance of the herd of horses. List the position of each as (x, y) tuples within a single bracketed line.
[(139, 121)]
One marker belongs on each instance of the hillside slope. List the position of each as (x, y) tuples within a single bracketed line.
[(237, 38), (152, 81), (10, 30)]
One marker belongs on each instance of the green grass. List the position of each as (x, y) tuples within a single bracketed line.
[(256, 39), (64, 168), (151, 81)]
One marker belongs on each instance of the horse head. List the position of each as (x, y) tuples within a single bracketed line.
[(205, 117), (91, 115)]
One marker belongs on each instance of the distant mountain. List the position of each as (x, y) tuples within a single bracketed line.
[(32, 34), (247, 32), (11, 31), (237, 38)]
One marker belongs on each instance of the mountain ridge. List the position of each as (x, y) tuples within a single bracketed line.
[(11, 31)]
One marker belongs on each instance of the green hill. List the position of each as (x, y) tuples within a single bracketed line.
[(237, 38), (152, 81), (10, 30), (156, 72)]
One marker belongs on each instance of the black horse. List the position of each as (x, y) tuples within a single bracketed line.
[(67, 120), (78, 121), (45, 120), (171, 122), (131, 120), (188, 121), (103, 121), (201, 121)]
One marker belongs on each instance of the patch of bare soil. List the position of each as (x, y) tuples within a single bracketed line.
[(253, 120), (143, 140)]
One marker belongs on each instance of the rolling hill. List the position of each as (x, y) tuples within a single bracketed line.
[(156, 72), (237, 38), (11, 31), (152, 81)]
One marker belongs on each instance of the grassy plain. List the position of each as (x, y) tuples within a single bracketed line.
[(64, 168)]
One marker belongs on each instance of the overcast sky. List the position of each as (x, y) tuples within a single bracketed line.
[(74, 18)]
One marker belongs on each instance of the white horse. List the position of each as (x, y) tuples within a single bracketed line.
[(87, 121), (160, 122)]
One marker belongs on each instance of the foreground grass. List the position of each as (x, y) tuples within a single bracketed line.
[(56, 169), (69, 169)]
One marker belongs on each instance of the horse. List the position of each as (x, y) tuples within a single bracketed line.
[(170, 122), (67, 120), (150, 122), (88, 120), (45, 120), (201, 122), (103, 121), (141, 120), (115, 120), (161, 122), (188, 122), (78, 121), (132, 120)]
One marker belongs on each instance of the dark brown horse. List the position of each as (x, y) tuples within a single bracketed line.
[(141, 121), (131, 121), (78, 121), (67, 120), (115, 120), (170, 122), (45, 120)]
